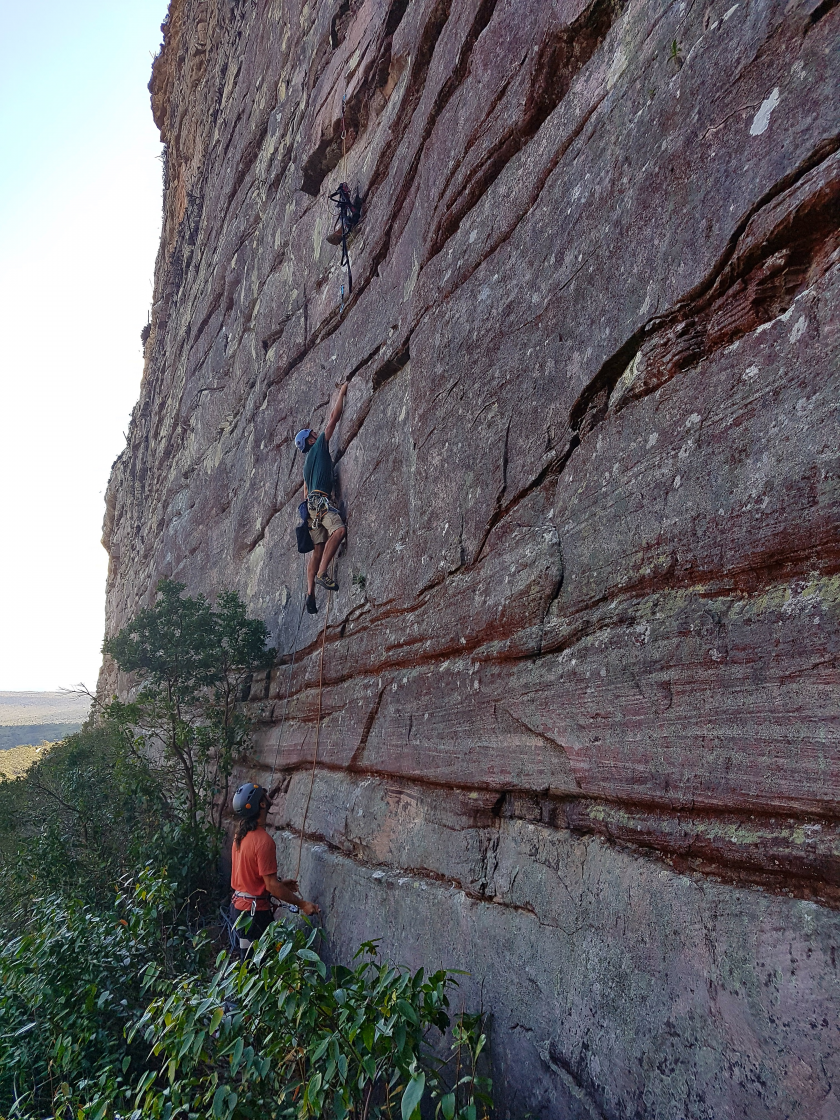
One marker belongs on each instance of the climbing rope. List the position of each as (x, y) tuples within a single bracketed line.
[(343, 141), (271, 791), (288, 688), (317, 739)]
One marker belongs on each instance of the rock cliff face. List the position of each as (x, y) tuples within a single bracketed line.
[(580, 725)]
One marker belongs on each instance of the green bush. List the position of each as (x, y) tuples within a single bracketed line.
[(294, 1038), (73, 983), (113, 1013)]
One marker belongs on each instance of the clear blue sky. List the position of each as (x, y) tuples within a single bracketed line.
[(80, 205)]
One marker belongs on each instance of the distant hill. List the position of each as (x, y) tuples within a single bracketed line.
[(17, 760), (30, 718)]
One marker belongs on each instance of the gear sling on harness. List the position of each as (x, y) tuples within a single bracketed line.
[(315, 506)]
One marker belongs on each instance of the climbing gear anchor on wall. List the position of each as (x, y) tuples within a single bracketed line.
[(349, 211)]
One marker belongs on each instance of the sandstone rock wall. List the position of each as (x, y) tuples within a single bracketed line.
[(580, 706)]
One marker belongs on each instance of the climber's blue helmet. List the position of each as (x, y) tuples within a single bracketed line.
[(301, 438), (248, 800)]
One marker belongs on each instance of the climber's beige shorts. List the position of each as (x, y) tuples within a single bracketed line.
[(329, 522)]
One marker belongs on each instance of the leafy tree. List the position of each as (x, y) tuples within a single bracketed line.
[(189, 662), (89, 812), (110, 1012)]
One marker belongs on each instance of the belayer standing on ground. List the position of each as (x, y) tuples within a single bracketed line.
[(325, 524), (253, 876)]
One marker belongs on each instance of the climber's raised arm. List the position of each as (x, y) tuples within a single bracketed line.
[(335, 415)]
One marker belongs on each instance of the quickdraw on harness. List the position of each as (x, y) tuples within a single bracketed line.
[(317, 504)]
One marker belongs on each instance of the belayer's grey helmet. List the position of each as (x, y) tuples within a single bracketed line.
[(301, 438), (247, 800)]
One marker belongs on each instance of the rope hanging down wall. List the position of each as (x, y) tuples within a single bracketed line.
[(271, 790), (317, 739)]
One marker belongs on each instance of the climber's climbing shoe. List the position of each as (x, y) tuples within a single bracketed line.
[(311, 605), (327, 582)]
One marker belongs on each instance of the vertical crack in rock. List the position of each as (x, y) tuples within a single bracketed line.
[(358, 754), (483, 15), (357, 109)]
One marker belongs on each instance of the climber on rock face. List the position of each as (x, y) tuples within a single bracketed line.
[(253, 876), (325, 524)]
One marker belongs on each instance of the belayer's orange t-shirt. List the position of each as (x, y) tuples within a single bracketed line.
[(256, 856)]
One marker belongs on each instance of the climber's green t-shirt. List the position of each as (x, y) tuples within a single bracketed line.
[(318, 468)]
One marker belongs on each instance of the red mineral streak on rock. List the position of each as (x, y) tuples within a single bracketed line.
[(580, 708)]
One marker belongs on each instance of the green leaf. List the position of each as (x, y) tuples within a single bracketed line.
[(237, 1054), (145, 1081), (186, 1044), (308, 955), (320, 1050), (408, 1011), (447, 1106), (412, 1096), (219, 1100)]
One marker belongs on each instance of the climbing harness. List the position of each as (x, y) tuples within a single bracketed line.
[(255, 898), (349, 211), (318, 503)]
